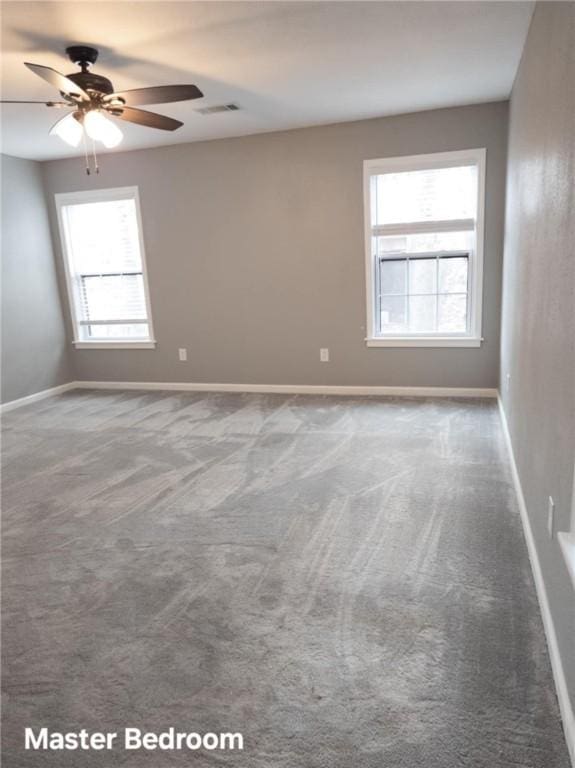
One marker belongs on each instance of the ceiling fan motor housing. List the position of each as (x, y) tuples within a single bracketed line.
[(84, 56), (90, 81)]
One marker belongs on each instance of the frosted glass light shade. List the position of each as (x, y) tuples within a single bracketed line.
[(68, 129), (102, 129)]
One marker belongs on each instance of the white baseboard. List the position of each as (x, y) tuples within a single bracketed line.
[(294, 389), (289, 389), (565, 707), (12, 404)]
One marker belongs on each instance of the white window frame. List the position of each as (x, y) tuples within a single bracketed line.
[(567, 538), (472, 337), (98, 196)]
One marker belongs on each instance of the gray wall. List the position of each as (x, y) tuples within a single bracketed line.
[(255, 251), (34, 349), (538, 330)]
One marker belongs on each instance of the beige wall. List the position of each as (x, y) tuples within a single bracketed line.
[(255, 253), (538, 333), (34, 348)]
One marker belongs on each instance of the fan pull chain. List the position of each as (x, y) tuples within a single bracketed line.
[(86, 153), (96, 168)]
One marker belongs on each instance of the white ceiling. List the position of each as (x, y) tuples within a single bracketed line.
[(287, 64)]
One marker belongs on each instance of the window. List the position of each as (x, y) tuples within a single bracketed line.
[(105, 268), (567, 538), (424, 249)]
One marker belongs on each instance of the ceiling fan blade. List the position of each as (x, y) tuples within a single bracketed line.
[(160, 94), (141, 117), (46, 103), (61, 82)]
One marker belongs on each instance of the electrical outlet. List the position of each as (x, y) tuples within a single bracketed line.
[(550, 517), (183, 354), (324, 355)]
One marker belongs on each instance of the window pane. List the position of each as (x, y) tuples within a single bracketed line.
[(103, 237), (422, 314), (393, 314), (391, 245), (428, 242), (139, 331), (116, 297), (453, 275), (452, 313), (427, 195), (423, 276), (393, 277)]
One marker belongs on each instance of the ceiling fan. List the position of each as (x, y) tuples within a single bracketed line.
[(93, 100)]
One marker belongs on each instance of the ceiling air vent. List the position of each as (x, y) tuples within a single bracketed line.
[(219, 108)]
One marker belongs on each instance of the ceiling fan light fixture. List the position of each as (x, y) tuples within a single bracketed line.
[(68, 129), (100, 128)]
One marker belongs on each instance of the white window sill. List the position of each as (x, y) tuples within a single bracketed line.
[(567, 543), (114, 344), (424, 341)]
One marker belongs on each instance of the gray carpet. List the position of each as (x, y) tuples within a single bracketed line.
[(345, 581)]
